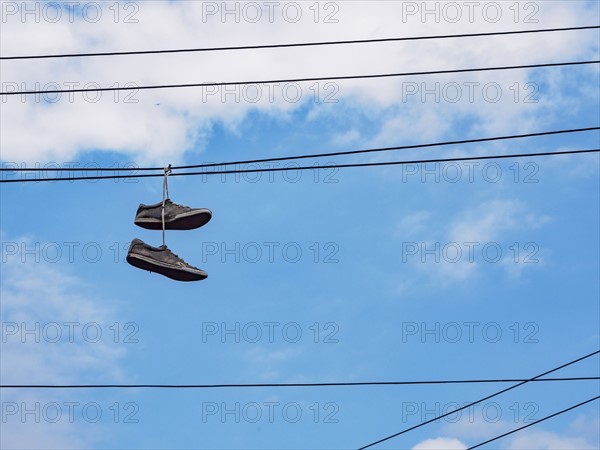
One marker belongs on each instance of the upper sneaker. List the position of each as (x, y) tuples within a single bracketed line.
[(177, 217), (162, 260)]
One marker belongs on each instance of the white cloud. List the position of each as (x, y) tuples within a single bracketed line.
[(487, 221), (455, 249), (588, 428), (441, 443), (476, 427), (580, 166), (147, 132), (485, 225), (44, 312), (347, 138), (582, 434), (412, 224), (17, 434), (546, 440), (42, 298)]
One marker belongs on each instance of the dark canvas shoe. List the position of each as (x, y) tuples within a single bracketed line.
[(177, 217), (162, 260)]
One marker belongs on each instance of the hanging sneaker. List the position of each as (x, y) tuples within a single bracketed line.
[(162, 260), (177, 217)]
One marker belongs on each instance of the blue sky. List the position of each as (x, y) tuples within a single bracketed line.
[(460, 271)]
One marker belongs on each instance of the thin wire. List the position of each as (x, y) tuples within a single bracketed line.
[(332, 166), (311, 156), (262, 385), (477, 401), (306, 44), (299, 80), (536, 422), (404, 147), (165, 197)]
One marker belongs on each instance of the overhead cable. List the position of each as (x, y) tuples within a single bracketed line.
[(297, 80), (277, 385), (311, 156), (536, 422), (305, 44), (478, 401), (329, 166)]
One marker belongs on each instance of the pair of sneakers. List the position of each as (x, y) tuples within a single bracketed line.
[(161, 259)]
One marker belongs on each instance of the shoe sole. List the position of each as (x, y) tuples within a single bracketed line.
[(175, 273), (185, 221)]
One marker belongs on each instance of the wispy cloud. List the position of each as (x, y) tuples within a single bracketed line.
[(471, 238), (50, 324)]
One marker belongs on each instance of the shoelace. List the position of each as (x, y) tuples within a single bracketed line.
[(165, 197), (168, 251), (179, 260), (171, 253), (187, 208)]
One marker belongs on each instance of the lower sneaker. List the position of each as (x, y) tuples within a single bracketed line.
[(162, 260), (177, 217)]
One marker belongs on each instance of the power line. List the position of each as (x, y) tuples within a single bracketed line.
[(536, 422), (311, 156), (269, 385), (404, 147), (306, 44), (477, 401), (332, 166), (299, 80)]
